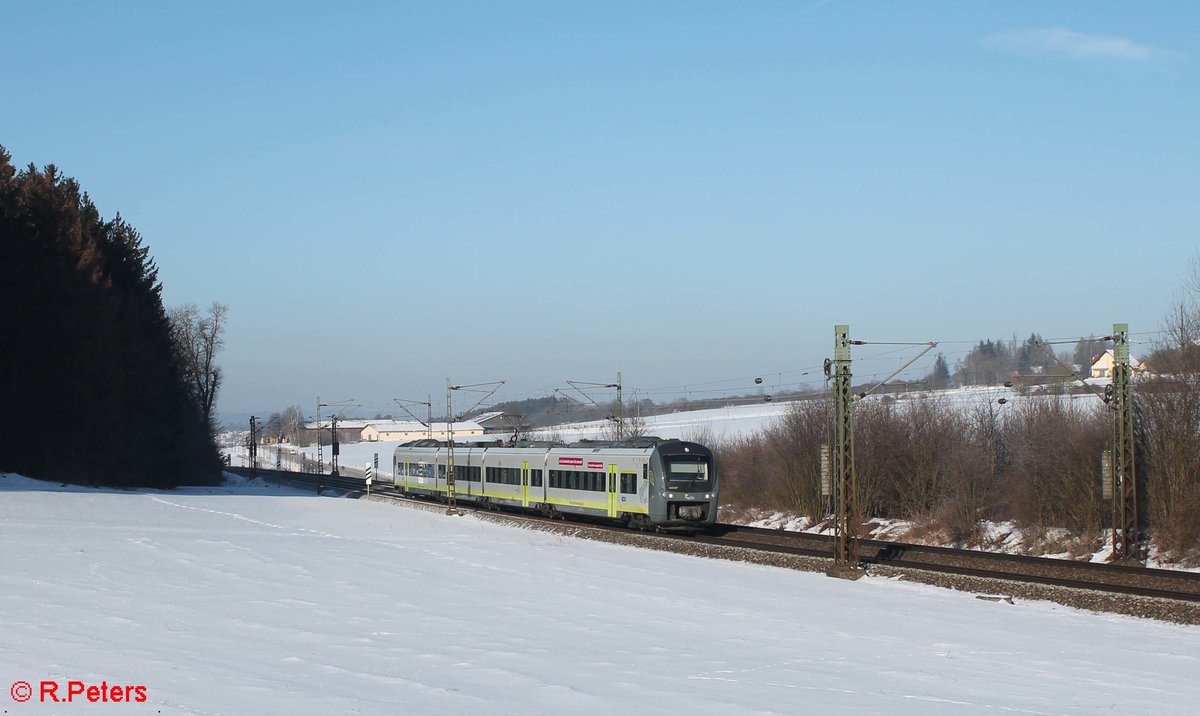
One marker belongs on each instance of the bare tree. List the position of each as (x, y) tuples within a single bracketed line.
[(293, 422), (630, 425), (198, 338)]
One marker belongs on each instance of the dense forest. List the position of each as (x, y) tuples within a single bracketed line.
[(93, 386)]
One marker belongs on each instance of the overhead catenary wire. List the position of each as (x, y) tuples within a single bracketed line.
[(789, 380)]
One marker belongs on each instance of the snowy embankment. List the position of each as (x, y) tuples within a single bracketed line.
[(257, 599)]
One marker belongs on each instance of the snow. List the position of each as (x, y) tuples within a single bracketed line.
[(714, 425), (261, 599), (739, 421)]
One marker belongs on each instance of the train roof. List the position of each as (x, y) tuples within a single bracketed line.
[(630, 446)]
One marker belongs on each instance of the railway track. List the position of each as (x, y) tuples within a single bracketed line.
[(1112, 579), (1118, 579)]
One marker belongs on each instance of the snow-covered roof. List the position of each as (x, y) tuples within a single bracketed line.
[(396, 426), (342, 424), (486, 417), (412, 426)]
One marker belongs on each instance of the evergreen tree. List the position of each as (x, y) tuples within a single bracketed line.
[(940, 376), (989, 363), (90, 386), (1087, 350)]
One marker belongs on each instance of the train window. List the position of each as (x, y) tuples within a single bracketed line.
[(535, 478), (687, 475), (628, 483)]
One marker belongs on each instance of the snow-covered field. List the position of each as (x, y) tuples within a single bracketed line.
[(735, 421), (262, 600)]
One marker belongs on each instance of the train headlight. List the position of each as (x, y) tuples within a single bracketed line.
[(671, 495), (708, 497)]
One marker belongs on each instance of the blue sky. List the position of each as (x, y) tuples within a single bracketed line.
[(693, 193)]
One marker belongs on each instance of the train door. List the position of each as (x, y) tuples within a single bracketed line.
[(525, 484), (612, 490)]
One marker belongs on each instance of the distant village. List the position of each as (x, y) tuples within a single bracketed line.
[(354, 431)]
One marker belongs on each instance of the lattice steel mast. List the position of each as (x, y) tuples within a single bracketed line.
[(845, 479), (1126, 534)]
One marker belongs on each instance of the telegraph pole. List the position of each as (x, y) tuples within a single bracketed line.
[(451, 505), (1126, 537), (845, 479), (253, 446), (620, 409), (452, 509), (344, 405), (320, 453), (428, 422), (333, 441), (618, 417)]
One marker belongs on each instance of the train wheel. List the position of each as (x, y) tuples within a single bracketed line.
[(639, 522)]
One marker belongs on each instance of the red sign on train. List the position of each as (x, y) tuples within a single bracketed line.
[(595, 466), (576, 461)]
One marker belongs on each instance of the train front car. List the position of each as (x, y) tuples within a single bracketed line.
[(683, 486)]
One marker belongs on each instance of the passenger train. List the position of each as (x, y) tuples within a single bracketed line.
[(646, 483)]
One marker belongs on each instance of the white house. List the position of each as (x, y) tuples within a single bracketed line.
[(406, 430), (1103, 365)]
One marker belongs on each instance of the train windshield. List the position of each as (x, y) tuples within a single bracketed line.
[(688, 476)]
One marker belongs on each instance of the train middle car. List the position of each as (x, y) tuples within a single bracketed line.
[(668, 484)]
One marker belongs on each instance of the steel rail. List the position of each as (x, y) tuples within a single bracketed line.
[(1167, 584)]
